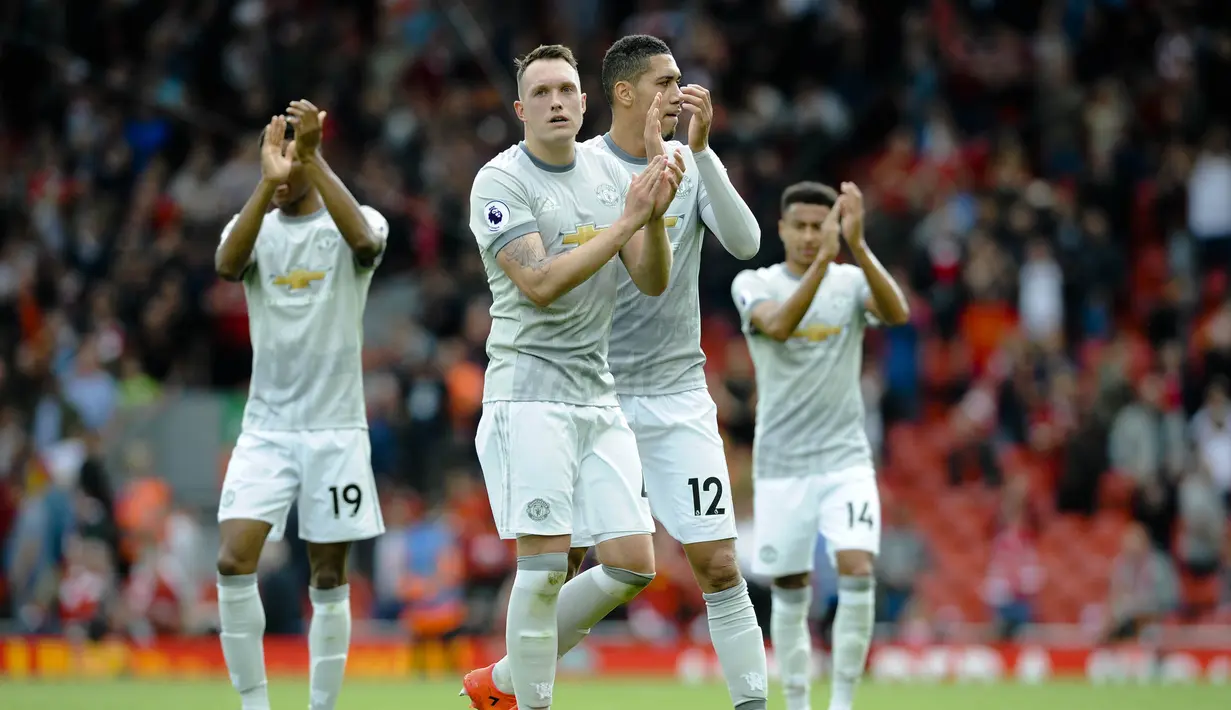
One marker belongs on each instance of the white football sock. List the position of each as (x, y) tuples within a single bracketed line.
[(243, 637), (740, 646), (530, 632), (788, 628), (328, 643), (584, 601), (852, 635)]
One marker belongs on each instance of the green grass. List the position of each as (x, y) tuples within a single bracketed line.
[(608, 695)]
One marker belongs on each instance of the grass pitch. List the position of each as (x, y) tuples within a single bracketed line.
[(609, 695)]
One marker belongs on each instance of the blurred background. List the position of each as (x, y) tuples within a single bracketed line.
[(1050, 180)]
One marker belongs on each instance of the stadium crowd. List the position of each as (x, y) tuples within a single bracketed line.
[(1052, 179)]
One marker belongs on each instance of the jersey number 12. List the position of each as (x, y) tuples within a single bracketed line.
[(697, 487)]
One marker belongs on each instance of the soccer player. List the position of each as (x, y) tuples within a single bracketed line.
[(550, 215), (306, 268), (804, 321), (657, 362)]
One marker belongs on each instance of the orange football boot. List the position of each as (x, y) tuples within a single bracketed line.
[(483, 693)]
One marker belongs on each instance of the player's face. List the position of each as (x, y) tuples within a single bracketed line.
[(662, 76), (296, 186), (551, 104), (800, 229)]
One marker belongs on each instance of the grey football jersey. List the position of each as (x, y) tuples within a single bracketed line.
[(810, 415), (656, 341), (557, 353)]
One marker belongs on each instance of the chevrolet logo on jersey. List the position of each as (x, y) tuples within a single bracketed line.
[(817, 333), (586, 232), (298, 279)]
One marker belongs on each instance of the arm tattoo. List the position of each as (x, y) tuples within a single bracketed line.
[(529, 253)]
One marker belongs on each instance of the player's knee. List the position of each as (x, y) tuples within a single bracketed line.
[(634, 553), (793, 581), (630, 583), (715, 566), (328, 577), (233, 562), (855, 563)]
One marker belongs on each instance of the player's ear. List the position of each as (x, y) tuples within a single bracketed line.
[(583, 102), (520, 110), (623, 93)]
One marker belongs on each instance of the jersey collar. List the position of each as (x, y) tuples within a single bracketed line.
[(546, 166), (623, 154)]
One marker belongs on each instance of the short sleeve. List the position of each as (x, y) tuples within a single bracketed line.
[(499, 210), (226, 232), (380, 230), (748, 290)]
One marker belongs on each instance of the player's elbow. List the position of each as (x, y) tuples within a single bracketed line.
[(538, 294), (227, 269), (365, 246), (774, 331), (655, 283), (747, 245), (899, 316), (655, 286)]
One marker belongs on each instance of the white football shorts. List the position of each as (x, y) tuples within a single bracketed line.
[(844, 506), (684, 464), (554, 468), (328, 471)]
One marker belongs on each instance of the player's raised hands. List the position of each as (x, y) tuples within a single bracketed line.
[(697, 101), (852, 214), (642, 192), (831, 244), (309, 123), (654, 143), (275, 163), (673, 174)]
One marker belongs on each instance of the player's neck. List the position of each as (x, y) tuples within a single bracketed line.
[(796, 270), (557, 154), (628, 138), (310, 204)]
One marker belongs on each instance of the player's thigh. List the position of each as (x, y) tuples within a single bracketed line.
[(785, 519), (261, 481), (685, 466), (338, 501), (530, 455), (850, 511), (609, 498)]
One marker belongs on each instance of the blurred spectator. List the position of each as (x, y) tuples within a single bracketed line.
[(1014, 575), (1209, 210), (1203, 523), (1147, 440), (1041, 284), (903, 558), (1144, 587), (1212, 435), (419, 570)]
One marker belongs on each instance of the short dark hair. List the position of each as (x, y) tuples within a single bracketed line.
[(628, 59), (810, 193), (543, 51)]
